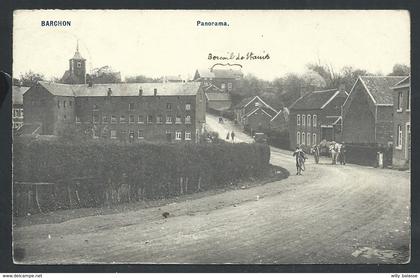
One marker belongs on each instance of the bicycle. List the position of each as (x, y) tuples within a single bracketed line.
[(301, 163)]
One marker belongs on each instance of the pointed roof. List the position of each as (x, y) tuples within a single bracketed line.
[(317, 99), (380, 87), (403, 83), (17, 94), (77, 55)]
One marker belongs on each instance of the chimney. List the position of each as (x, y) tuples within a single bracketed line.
[(109, 93), (140, 91), (155, 92)]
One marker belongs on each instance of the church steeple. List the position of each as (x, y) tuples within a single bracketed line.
[(77, 68)]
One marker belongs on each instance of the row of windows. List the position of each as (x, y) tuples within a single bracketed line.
[(400, 101), (131, 106), (306, 120), (140, 119), (140, 134), (64, 103), (305, 139)]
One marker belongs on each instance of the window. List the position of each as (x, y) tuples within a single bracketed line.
[(131, 106), (122, 119), (140, 119), (314, 120), (308, 118), (65, 117), (187, 106), (188, 119), (223, 86), (140, 134), (229, 86), (298, 120), (64, 104), (113, 134), (21, 113), (169, 106), (159, 119), (58, 103), (314, 138), (95, 133), (95, 118), (131, 119), (70, 103), (308, 139), (77, 120), (95, 107), (407, 107), (178, 135), (399, 101), (303, 138), (169, 119), (113, 119), (399, 137), (79, 64), (149, 119), (187, 135), (178, 120), (297, 138), (105, 119)]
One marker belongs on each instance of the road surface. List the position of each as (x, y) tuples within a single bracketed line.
[(331, 214)]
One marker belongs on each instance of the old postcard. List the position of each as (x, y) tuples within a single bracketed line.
[(211, 137)]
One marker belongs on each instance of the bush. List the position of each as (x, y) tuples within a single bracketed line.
[(278, 138), (92, 174)]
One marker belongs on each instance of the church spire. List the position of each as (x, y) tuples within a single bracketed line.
[(77, 55)]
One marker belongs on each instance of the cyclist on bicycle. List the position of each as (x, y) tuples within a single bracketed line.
[(300, 160)]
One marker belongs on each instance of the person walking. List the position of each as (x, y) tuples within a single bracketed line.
[(333, 154), (232, 135), (227, 136), (315, 151), (300, 160)]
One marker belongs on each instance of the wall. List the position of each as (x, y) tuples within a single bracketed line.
[(401, 156), (293, 128), (258, 122), (358, 117)]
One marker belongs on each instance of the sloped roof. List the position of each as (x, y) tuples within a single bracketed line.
[(284, 113), (270, 113), (243, 102), (331, 120), (122, 89), (380, 87), (403, 83), (17, 94), (214, 96), (77, 55), (28, 129), (220, 73), (316, 99)]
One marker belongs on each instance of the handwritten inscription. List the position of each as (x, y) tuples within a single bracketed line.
[(238, 56)]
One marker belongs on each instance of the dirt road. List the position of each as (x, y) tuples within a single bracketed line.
[(331, 214)]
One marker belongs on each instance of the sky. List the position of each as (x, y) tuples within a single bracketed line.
[(169, 42)]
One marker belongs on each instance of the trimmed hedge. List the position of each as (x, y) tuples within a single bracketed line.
[(94, 174)]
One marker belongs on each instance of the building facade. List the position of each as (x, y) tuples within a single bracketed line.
[(130, 112), (367, 114), (316, 116), (17, 106), (402, 123)]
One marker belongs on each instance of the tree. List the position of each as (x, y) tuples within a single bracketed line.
[(105, 75), (400, 70), (140, 79), (30, 78)]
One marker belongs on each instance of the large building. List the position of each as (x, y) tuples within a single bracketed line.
[(368, 112), (402, 123), (17, 108), (124, 111), (316, 116)]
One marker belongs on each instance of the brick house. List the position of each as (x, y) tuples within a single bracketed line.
[(17, 106), (402, 123), (256, 115), (123, 111), (367, 114), (316, 116)]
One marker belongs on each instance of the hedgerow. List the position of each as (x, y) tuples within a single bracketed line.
[(92, 174)]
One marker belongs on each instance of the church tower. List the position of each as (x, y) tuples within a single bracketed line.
[(76, 74)]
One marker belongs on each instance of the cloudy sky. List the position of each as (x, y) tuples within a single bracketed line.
[(156, 43)]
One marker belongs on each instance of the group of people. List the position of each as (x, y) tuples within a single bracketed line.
[(337, 151), (230, 135)]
